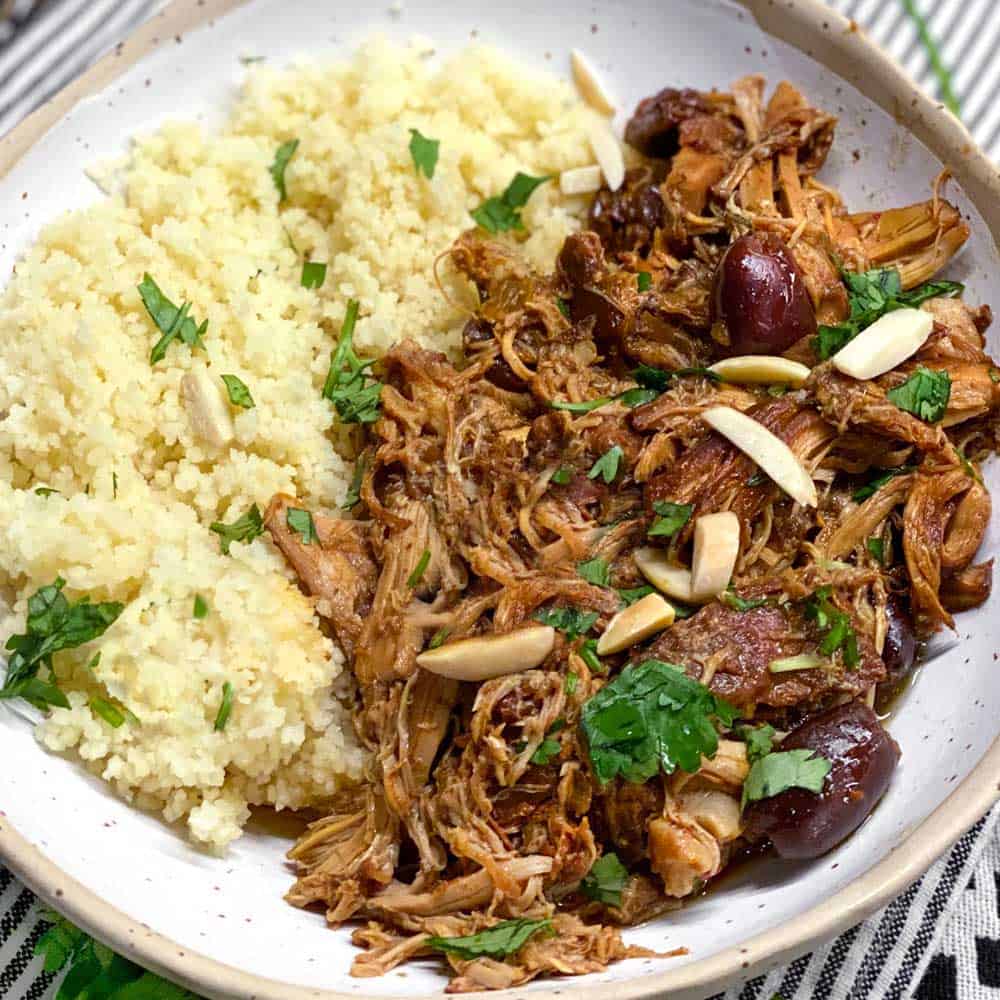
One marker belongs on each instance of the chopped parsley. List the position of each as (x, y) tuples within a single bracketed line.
[(652, 717), (644, 281), (283, 154), (671, 518), (606, 880), (777, 772), (562, 475), (874, 485), (53, 624), (200, 609), (595, 571), (239, 394), (418, 571), (606, 467), (225, 707), (660, 379), (876, 549), (313, 274), (498, 215), (872, 294), (244, 529), (632, 594), (838, 632), (498, 941), (424, 152), (301, 522), (355, 396), (572, 622), (759, 740), (169, 320), (925, 394), (353, 496)]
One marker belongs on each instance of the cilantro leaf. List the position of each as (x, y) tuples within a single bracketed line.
[(876, 548), (733, 600), (313, 274), (658, 378), (759, 740), (283, 154), (243, 529), (301, 521), (606, 467), (424, 152), (644, 281), (606, 880), (170, 321), (562, 475), (355, 397), (546, 751), (571, 621), (53, 624), (200, 607), (239, 394), (498, 941), (501, 214), (672, 517), (418, 571), (652, 717), (835, 626), (874, 485), (925, 394), (353, 496), (595, 571), (225, 708), (633, 594), (777, 772), (563, 306)]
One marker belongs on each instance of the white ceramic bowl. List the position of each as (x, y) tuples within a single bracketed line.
[(220, 925)]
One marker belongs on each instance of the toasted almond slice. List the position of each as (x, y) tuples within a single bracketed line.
[(588, 83), (207, 412), (716, 546), (674, 581), (646, 617), (608, 152), (768, 451), (804, 661), (485, 656), (888, 342), (761, 369), (580, 180)]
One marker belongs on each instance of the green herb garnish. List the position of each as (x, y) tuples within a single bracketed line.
[(632, 594), (652, 717), (418, 572), (595, 571), (563, 306), (169, 320), (53, 624), (424, 152), (571, 683), (876, 549), (239, 394), (438, 638), (606, 880), (225, 707), (606, 467), (281, 157), (874, 485), (244, 529), (562, 475), (672, 517), (301, 522), (200, 607), (637, 397), (353, 496), (44, 491), (925, 394), (313, 274), (572, 622), (838, 632), (733, 600), (584, 407), (588, 653), (498, 941), (107, 711), (497, 215), (348, 386), (759, 740), (546, 751), (777, 772)]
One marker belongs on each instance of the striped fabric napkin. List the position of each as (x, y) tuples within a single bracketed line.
[(940, 940)]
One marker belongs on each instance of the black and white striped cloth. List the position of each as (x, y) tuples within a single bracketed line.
[(940, 940)]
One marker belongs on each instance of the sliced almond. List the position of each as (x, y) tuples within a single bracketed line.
[(888, 342), (716, 546), (608, 152), (646, 617), (580, 180), (674, 581), (207, 412), (768, 451), (761, 369), (483, 657), (588, 83), (804, 661)]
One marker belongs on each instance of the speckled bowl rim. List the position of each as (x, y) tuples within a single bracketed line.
[(841, 46)]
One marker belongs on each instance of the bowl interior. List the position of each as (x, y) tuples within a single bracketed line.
[(231, 908)]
